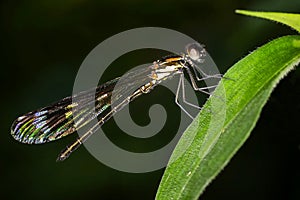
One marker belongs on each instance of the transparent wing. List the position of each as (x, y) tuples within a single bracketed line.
[(71, 113), (130, 82)]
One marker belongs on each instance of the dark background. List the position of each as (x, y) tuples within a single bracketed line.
[(42, 46)]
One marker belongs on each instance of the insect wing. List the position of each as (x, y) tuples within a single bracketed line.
[(58, 120)]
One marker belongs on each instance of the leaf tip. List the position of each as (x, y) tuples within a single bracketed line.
[(242, 12), (239, 11)]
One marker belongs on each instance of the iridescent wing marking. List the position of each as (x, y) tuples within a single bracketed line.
[(57, 120)]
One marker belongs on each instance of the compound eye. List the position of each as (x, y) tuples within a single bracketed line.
[(194, 54), (195, 51)]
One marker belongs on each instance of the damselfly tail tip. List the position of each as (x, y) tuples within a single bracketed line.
[(68, 150), (61, 157)]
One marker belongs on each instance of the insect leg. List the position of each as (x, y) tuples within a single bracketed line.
[(177, 94)]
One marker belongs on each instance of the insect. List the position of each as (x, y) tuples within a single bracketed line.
[(68, 115)]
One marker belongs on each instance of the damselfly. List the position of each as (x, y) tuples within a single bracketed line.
[(58, 120)]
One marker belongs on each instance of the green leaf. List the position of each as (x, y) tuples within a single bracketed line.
[(290, 19), (227, 119)]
